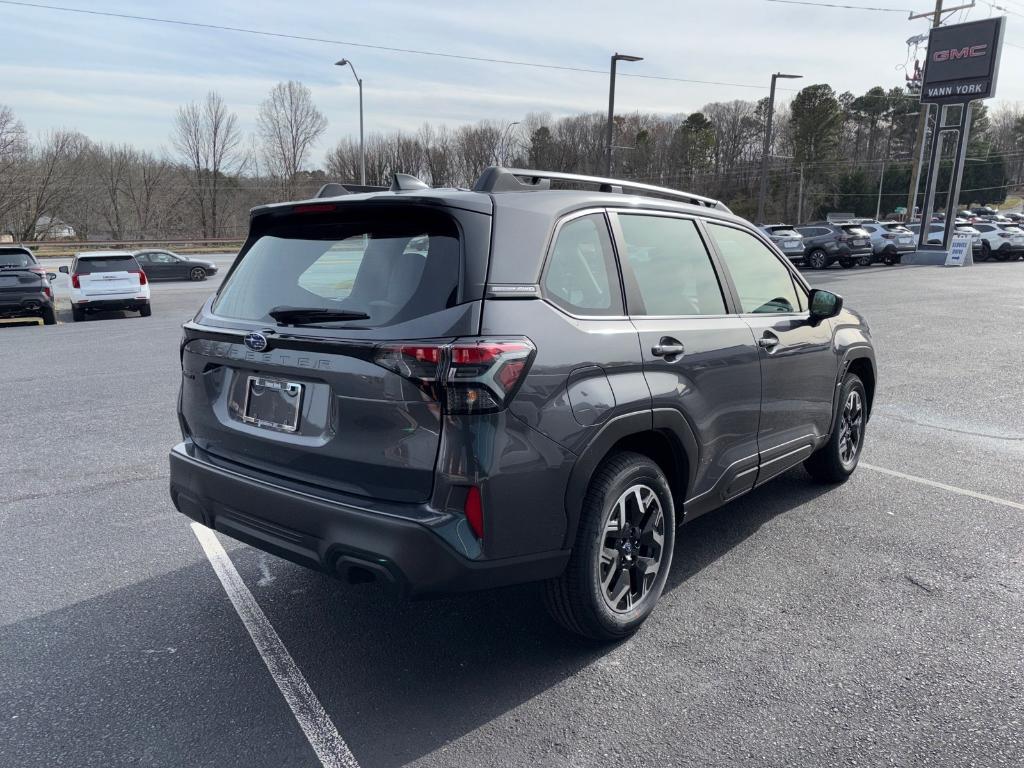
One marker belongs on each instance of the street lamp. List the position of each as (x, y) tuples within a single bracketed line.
[(362, 147), (502, 148), (768, 144), (611, 106)]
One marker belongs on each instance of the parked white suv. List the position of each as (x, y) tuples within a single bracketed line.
[(1004, 241), (107, 280), (890, 240)]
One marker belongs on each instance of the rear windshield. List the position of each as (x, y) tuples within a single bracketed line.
[(107, 264), (15, 260), (392, 267), (899, 228), (855, 229), (1009, 227), (784, 232)]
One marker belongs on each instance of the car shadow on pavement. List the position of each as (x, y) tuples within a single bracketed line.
[(402, 679), (163, 672)]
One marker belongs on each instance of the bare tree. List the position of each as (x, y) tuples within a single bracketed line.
[(13, 150), (289, 124), (57, 174), (208, 141)]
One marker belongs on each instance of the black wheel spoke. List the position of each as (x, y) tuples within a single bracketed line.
[(631, 552)]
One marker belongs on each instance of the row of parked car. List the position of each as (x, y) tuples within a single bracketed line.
[(862, 242), (99, 281)]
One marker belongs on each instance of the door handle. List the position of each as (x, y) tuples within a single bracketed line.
[(668, 348), (769, 341)]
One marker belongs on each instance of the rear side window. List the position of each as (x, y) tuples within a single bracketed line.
[(581, 276), (671, 266), (392, 267), (764, 285), (106, 264)]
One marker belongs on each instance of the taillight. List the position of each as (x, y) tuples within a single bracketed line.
[(47, 292), (74, 281), (889, 237), (140, 273), (468, 377), (473, 508)]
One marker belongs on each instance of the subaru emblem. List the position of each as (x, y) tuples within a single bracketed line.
[(257, 342)]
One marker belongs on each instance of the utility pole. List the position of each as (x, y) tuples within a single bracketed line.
[(800, 196), (922, 127)]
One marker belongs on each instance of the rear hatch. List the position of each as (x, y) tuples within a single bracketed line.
[(856, 236), (317, 360), (105, 276), (21, 287)]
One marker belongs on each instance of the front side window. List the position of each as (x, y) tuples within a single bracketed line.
[(763, 283), (377, 267), (672, 268), (581, 276)]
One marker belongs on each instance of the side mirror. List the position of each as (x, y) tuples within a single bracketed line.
[(51, 275), (824, 304), (64, 270)]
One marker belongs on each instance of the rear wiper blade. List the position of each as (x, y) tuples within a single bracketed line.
[(311, 315)]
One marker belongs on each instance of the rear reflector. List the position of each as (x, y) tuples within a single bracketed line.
[(474, 510)]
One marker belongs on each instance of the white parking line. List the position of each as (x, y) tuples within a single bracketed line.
[(943, 486), (314, 721)]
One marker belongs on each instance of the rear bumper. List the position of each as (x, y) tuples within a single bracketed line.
[(111, 304), (29, 305), (328, 536)]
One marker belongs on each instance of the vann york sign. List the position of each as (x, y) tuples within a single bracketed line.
[(963, 62)]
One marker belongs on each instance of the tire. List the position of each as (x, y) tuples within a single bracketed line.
[(588, 598), (867, 260), (1002, 254), (986, 251), (145, 310), (77, 315), (847, 263), (49, 316), (817, 259), (196, 274), (835, 461)]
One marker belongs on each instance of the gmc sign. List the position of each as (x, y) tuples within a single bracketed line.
[(963, 62), (961, 53)]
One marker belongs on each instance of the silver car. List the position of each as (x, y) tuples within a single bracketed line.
[(786, 239), (890, 240)]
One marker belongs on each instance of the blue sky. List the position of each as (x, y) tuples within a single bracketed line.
[(120, 80)]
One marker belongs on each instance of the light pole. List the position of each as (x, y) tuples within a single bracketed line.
[(611, 108), (767, 144), (502, 149), (362, 146)]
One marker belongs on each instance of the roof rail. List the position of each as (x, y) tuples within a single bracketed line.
[(495, 179)]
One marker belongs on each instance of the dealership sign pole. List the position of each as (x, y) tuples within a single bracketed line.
[(962, 67)]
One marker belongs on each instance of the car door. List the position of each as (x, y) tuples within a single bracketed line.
[(799, 369), (700, 360)]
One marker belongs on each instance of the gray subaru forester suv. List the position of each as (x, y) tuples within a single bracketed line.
[(449, 389)]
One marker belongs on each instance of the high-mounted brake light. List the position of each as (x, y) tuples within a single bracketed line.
[(314, 208), (469, 376)]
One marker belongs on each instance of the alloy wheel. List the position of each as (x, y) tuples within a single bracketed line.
[(198, 273), (632, 548), (851, 430)]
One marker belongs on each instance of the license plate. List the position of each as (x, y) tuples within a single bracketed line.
[(792, 244), (905, 240), (860, 241), (9, 280), (272, 403)]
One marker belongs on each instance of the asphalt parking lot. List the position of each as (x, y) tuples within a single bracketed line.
[(878, 623)]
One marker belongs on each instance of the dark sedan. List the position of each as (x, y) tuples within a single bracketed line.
[(164, 265)]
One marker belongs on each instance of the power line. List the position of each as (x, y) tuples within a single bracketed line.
[(839, 5), (391, 49)]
